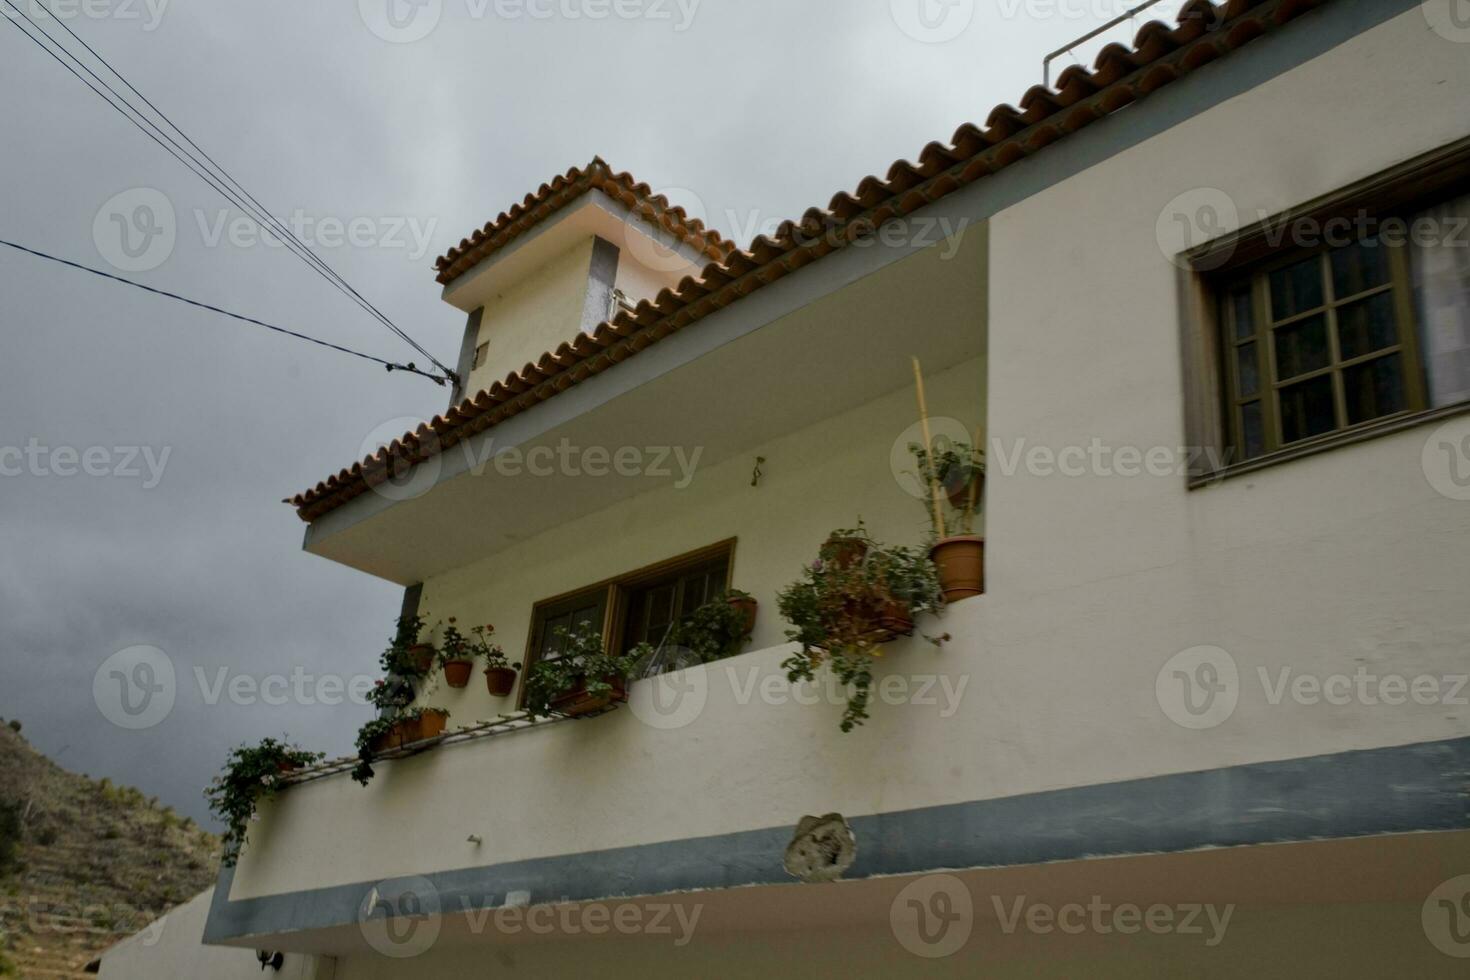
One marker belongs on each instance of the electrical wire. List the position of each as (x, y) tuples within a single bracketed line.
[(390, 365), (218, 178)]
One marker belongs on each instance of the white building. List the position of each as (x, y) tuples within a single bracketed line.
[(1209, 717)]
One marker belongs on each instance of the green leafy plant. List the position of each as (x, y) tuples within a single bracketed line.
[(393, 694), (400, 659), (583, 661), (846, 605), (716, 629), (253, 773), (374, 730), (953, 473)]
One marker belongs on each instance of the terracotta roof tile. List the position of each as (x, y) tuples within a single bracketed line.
[(1119, 77), (566, 188)]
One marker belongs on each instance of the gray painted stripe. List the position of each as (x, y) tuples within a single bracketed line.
[(1352, 794), (1262, 60)]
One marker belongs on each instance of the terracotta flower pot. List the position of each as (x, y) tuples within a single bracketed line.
[(747, 606), (408, 731), (577, 701), (961, 565), (457, 672), (421, 658), (500, 680), (844, 552)]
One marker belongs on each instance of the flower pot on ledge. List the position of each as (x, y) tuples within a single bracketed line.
[(960, 561), (501, 681), (577, 701), (408, 731), (457, 672)]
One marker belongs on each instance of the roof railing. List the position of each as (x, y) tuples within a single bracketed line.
[(1046, 65)]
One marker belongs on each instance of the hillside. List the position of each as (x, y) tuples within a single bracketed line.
[(88, 863)]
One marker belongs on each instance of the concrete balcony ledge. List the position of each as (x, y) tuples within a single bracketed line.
[(661, 796)]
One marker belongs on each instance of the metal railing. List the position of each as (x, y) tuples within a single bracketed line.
[(1046, 64)]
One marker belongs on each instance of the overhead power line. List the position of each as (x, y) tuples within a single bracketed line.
[(206, 168), (410, 367)]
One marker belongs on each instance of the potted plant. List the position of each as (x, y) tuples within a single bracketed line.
[(500, 673), (399, 729), (408, 655), (582, 678), (456, 656), (953, 475), (720, 627), (955, 472), (252, 774), (841, 611)]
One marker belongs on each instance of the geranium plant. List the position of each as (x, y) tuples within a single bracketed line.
[(253, 773), (857, 595), (582, 663)]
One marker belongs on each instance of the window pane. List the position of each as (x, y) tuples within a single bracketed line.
[(1246, 372), (1366, 326), (1296, 288), (1244, 313), (1374, 389), (1359, 267), (1302, 347), (1253, 430), (1307, 410)]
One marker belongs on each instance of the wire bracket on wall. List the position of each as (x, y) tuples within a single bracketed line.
[(755, 477)]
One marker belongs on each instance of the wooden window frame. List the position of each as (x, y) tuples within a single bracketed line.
[(615, 592), (1208, 271)]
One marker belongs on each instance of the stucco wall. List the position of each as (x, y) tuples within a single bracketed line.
[(1345, 560), (536, 315), (170, 947)]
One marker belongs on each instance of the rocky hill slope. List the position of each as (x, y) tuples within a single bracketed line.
[(84, 863)]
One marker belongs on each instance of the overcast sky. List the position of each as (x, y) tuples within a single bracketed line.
[(746, 111)]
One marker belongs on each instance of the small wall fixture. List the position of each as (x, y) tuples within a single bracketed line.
[(269, 959), (475, 839)]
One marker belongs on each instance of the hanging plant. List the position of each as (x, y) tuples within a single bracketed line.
[(252, 774), (855, 597), (405, 727), (408, 655)]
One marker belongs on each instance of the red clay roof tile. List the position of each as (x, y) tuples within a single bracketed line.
[(1120, 75)]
